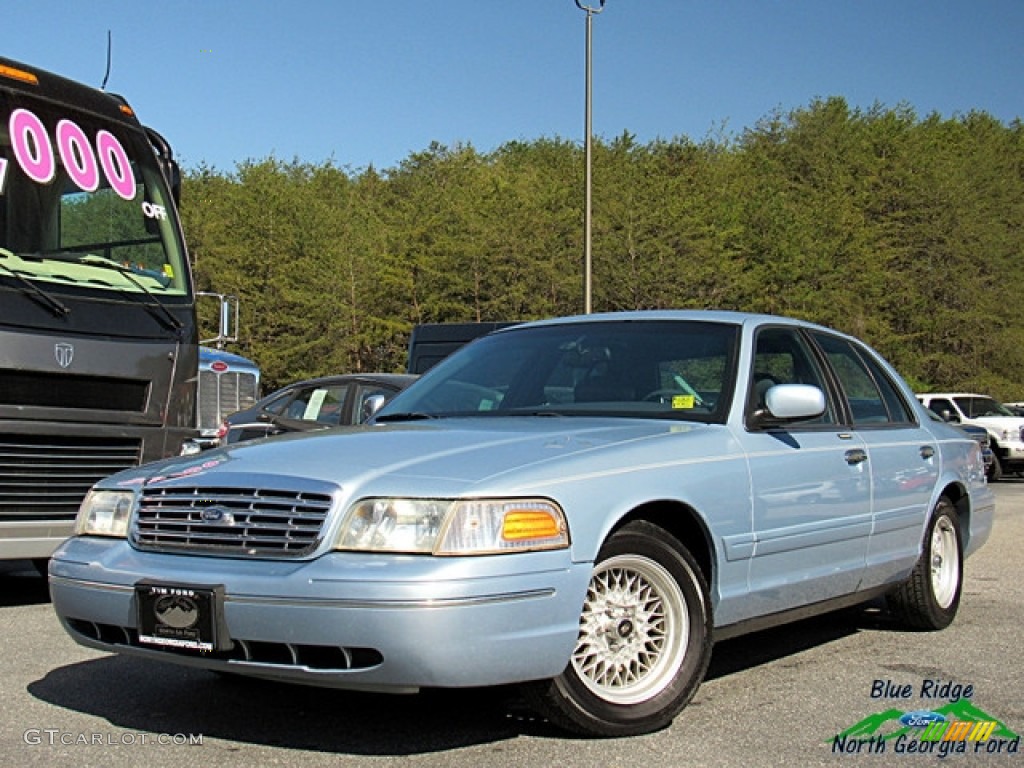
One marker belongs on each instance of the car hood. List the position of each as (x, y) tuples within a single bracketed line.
[(998, 422), (443, 456)]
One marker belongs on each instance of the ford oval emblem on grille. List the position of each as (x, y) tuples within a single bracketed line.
[(64, 353), (218, 515)]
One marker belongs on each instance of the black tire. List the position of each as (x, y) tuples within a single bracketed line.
[(642, 654), (929, 598), (995, 471)]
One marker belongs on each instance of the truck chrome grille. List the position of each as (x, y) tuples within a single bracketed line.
[(240, 522), (221, 394)]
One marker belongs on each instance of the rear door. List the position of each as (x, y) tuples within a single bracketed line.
[(903, 457)]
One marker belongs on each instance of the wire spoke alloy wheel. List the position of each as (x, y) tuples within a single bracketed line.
[(944, 563), (643, 642), (634, 630)]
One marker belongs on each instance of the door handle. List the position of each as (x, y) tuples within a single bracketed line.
[(856, 456), (927, 451)]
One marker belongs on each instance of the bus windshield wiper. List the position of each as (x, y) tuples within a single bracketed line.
[(155, 307), (55, 305)]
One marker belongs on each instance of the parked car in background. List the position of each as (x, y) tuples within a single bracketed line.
[(329, 401), (1005, 428), (1017, 409), (581, 506), (984, 439)]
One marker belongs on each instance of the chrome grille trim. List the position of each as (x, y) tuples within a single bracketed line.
[(240, 522), (45, 477)]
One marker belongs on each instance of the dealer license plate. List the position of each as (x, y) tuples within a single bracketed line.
[(179, 615)]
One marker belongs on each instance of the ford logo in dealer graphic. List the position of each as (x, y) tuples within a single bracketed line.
[(921, 718)]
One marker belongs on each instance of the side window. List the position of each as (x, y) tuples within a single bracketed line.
[(363, 393), (278, 404), (897, 406), (320, 404), (941, 405), (782, 356), (863, 388)]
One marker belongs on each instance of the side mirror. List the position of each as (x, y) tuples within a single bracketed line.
[(371, 405), (950, 416), (789, 402)]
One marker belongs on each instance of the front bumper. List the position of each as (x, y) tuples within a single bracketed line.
[(344, 620), (1011, 453)]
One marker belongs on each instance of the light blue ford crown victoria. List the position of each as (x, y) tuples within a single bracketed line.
[(579, 505)]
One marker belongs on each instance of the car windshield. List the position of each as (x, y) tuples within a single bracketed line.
[(979, 407), (83, 203), (649, 369)]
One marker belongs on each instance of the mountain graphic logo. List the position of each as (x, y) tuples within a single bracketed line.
[(892, 723), (177, 611)]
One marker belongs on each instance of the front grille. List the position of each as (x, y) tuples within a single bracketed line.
[(242, 522), (65, 390), (46, 477), (221, 394), (317, 657)]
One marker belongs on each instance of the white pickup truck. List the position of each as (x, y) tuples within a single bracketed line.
[(1006, 429)]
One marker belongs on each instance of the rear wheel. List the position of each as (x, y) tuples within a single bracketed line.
[(644, 640), (929, 598)]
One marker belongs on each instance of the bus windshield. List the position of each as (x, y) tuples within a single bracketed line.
[(83, 204)]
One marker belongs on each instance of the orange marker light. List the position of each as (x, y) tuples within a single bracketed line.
[(529, 524), (19, 74), (127, 110)]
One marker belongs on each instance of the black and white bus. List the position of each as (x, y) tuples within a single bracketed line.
[(98, 338)]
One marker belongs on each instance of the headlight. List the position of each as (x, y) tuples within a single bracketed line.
[(453, 526), (104, 513)]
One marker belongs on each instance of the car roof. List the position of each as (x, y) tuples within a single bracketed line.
[(953, 394), (704, 315)]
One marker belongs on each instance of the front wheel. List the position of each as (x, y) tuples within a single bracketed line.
[(644, 640), (995, 470), (929, 598)]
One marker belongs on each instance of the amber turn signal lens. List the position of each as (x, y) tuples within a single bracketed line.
[(19, 74), (529, 524)]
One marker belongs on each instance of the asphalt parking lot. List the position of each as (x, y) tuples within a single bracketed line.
[(775, 698)]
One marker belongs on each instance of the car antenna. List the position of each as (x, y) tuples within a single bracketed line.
[(106, 75)]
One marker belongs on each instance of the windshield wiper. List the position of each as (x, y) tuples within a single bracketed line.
[(55, 305), (155, 307), (414, 416)]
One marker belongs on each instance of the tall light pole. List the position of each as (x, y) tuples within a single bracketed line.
[(587, 260)]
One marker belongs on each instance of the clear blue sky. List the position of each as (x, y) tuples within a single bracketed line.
[(372, 81)]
